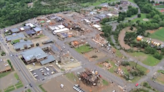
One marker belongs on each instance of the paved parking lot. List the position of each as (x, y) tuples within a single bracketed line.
[(42, 73)]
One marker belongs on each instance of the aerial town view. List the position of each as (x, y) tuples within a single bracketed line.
[(81, 45)]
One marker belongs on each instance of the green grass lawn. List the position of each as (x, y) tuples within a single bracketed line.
[(15, 41), (159, 34), (105, 83), (161, 71), (141, 18), (131, 1), (159, 6), (124, 69), (9, 89), (19, 85), (43, 90), (83, 49), (118, 53), (16, 76), (4, 74), (145, 58), (28, 90), (113, 68), (98, 2), (71, 76)]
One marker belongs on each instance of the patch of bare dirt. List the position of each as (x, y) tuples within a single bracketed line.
[(122, 35), (152, 31)]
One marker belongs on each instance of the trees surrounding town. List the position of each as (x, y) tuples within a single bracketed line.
[(15, 11), (130, 12)]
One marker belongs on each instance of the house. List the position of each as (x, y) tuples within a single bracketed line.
[(15, 30), (30, 32), (26, 28), (60, 29), (30, 25), (15, 36), (23, 45), (4, 67), (98, 39), (77, 43), (87, 21), (110, 15), (98, 27), (37, 30), (34, 55), (94, 20), (101, 16)]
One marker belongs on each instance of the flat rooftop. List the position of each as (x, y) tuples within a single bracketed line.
[(4, 66), (34, 53)]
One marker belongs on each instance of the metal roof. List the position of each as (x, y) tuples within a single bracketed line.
[(49, 59), (14, 30), (15, 37), (29, 32), (22, 44), (34, 53), (37, 29)]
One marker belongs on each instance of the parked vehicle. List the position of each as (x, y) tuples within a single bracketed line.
[(77, 88)]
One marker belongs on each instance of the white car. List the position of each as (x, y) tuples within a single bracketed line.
[(35, 76), (114, 91)]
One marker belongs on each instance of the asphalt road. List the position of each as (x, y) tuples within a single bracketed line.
[(19, 67)]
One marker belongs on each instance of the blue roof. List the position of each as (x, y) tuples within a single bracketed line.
[(29, 32)]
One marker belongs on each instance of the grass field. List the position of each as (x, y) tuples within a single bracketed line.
[(161, 71), (105, 83), (83, 49), (159, 34), (118, 53), (131, 1), (160, 78), (43, 90), (9, 89), (145, 58), (71, 76), (98, 2), (125, 69), (141, 18), (4, 74), (159, 6)]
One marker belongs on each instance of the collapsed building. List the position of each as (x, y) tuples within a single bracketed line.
[(90, 77)]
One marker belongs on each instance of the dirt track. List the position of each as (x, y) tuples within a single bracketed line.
[(121, 38)]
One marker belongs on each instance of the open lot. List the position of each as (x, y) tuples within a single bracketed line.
[(158, 34), (70, 79), (11, 81), (83, 49), (94, 55), (122, 70), (54, 85), (145, 58), (141, 19), (42, 73), (160, 76)]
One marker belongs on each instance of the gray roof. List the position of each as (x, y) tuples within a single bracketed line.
[(26, 28), (22, 44), (34, 53), (101, 16), (49, 59), (14, 30), (37, 29), (15, 37)]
